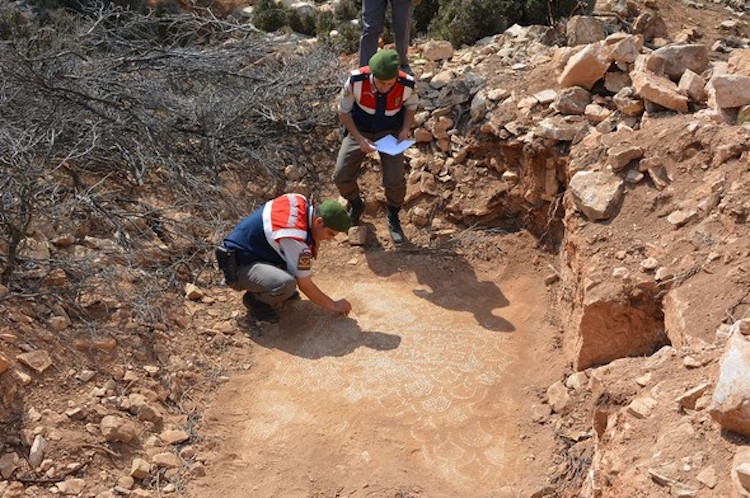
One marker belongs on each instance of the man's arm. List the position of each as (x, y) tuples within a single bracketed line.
[(408, 122), (308, 287), (346, 102), (298, 257), (410, 109), (365, 144)]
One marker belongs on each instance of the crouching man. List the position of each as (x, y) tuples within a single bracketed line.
[(270, 252)]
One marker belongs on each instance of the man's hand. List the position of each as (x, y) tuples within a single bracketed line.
[(404, 135), (308, 288), (366, 145), (342, 307)]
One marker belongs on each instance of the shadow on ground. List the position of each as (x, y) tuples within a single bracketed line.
[(451, 280), (309, 332)]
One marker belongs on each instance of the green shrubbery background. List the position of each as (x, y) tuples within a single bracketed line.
[(462, 22)]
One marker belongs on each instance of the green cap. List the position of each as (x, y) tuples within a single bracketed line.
[(384, 64), (335, 216)]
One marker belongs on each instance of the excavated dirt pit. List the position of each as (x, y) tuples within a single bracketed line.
[(420, 391)]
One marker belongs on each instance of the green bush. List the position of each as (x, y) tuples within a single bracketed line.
[(536, 12), (466, 21), (347, 40), (269, 16), (324, 24), (424, 13), (14, 24), (301, 24), (539, 11), (346, 10)]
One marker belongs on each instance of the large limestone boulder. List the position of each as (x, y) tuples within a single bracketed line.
[(728, 90), (650, 24), (659, 90), (586, 67), (582, 30), (435, 50), (673, 60), (596, 194), (626, 49), (739, 62), (730, 405)]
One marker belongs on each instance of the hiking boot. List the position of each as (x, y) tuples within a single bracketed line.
[(260, 311), (356, 208), (394, 225)]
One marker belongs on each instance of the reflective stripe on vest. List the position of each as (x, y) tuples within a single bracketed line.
[(364, 91), (287, 216)]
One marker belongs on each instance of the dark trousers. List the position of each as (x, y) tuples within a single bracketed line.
[(373, 18), (349, 164)]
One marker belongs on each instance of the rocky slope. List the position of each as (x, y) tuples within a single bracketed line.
[(645, 134)]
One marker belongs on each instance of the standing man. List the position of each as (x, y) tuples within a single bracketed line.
[(270, 253), (373, 18), (377, 100)]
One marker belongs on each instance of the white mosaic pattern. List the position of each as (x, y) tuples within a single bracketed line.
[(437, 374)]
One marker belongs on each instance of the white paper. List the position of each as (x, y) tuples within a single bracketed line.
[(391, 146)]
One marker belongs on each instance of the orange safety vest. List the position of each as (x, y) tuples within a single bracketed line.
[(256, 238), (375, 112)]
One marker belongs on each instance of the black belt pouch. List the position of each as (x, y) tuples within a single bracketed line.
[(227, 260)]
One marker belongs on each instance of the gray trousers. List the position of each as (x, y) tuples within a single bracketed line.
[(267, 283), (373, 17), (349, 164)]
